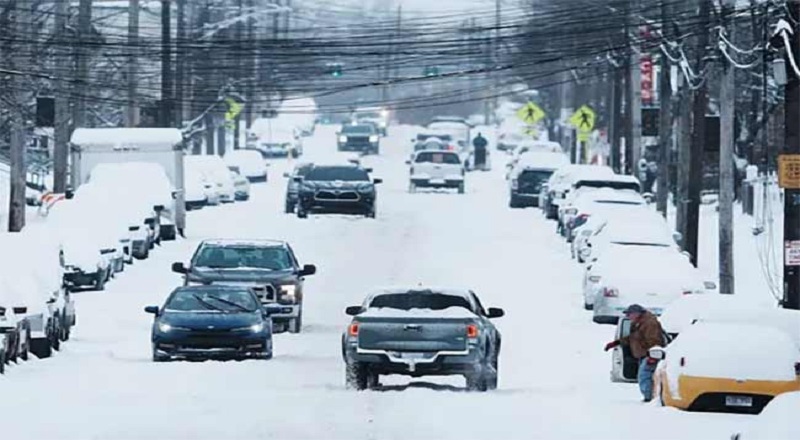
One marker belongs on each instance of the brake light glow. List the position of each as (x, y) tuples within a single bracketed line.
[(353, 329), (610, 292), (472, 331)]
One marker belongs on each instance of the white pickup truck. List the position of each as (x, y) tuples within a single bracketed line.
[(436, 169)]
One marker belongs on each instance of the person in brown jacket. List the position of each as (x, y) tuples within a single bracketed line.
[(646, 333)]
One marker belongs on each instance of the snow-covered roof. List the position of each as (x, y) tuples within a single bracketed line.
[(386, 312), (127, 136), (542, 160), (777, 421), (242, 242)]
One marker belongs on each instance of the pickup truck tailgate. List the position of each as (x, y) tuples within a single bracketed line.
[(413, 334)]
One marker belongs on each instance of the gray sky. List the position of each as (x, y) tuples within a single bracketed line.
[(445, 5)]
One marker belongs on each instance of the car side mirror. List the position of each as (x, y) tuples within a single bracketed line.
[(308, 269), (369, 170), (495, 313), (377, 181), (179, 268), (648, 197), (298, 179), (133, 228), (150, 221), (158, 208), (353, 310), (657, 353), (287, 175), (151, 309), (408, 161)]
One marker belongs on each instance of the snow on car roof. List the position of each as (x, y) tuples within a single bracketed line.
[(455, 291), (736, 351), (387, 312), (241, 242), (649, 267), (128, 136), (542, 160)]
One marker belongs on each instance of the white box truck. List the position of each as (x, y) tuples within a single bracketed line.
[(164, 146)]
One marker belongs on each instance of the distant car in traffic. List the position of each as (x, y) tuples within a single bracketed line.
[(530, 174), (211, 322), (375, 115), (362, 138), (241, 185), (422, 332), (249, 163), (561, 183), (337, 189), (436, 169), (293, 186), (270, 268)]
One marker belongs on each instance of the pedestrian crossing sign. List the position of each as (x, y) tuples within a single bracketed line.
[(583, 119), (531, 113)]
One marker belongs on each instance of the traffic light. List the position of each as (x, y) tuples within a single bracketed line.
[(334, 69)]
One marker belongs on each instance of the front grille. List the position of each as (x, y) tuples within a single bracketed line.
[(529, 188), (346, 196), (265, 293), (358, 142)]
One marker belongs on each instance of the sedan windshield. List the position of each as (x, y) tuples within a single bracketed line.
[(221, 300), (343, 173), (411, 300), (235, 257)]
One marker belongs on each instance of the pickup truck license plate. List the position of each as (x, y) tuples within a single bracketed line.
[(739, 401), (437, 181), (412, 355)]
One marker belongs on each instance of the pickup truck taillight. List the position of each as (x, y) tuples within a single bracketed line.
[(353, 329), (610, 292), (472, 331)]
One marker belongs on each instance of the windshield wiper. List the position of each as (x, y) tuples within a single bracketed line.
[(207, 304), (230, 303)]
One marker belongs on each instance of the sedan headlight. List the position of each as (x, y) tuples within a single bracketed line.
[(164, 327), (289, 292), (257, 328), (342, 139), (373, 138), (366, 190)]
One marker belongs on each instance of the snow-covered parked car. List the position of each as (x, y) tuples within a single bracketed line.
[(241, 185), (562, 182), (249, 163), (14, 328), (776, 422), (585, 202), (200, 189), (632, 228), (436, 169), (422, 332), (276, 137), (653, 276), (217, 173), (726, 367), (529, 175)]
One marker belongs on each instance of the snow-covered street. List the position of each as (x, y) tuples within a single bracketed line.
[(554, 375)]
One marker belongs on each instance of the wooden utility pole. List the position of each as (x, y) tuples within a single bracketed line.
[(665, 115), (62, 93), (167, 83), (698, 137), (635, 107), (727, 104), (20, 54), (253, 63), (241, 70), (132, 113), (791, 200), (615, 125), (181, 78), (83, 53), (684, 137)]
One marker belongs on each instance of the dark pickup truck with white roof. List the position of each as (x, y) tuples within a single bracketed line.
[(268, 267), (422, 332)]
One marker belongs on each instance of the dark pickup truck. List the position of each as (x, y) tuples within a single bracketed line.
[(268, 267), (422, 332)]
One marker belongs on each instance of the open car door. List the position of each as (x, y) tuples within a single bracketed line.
[(624, 367)]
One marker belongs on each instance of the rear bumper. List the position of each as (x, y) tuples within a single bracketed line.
[(196, 204), (705, 393), (79, 278), (528, 199), (450, 182), (430, 364)]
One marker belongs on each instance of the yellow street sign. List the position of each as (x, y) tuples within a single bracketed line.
[(234, 109), (532, 132), (531, 113), (789, 171), (583, 119)]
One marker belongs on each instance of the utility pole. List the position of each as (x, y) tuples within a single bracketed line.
[(665, 117), (252, 63), (498, 33), (684, 136), (81, 85), (132, 114), (62, 93), (698, 138), (727, 104), (181, 80), (167, 92), (635, 107), (241, 70), (20, 54), (615, 124), (791, 199)]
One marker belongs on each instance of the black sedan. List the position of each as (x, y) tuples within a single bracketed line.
[(203, 322), (337, 189)]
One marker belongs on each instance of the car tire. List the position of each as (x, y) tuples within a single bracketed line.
[(513, 202), (371, 213), (412, 188), (296, 325), (461, 188), (160, 357), (65, 331), (288, 208), (25, 355), (476, 382), (356, 376), (301, 213), (55, 336), (41, 348), (2, 362), (550, 213)]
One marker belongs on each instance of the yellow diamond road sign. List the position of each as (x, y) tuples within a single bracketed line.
[(583, 119), (531, 113), (234, 109)]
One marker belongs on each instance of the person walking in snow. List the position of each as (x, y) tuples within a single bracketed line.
[(479, 143), (646, 333)]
